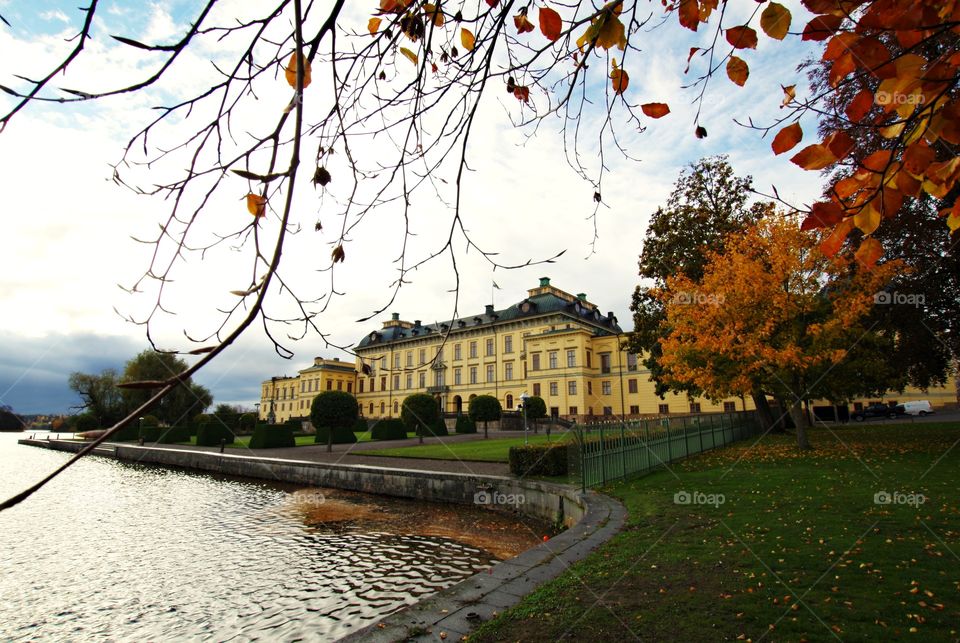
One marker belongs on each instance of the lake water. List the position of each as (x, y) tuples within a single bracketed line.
[(115, 551)]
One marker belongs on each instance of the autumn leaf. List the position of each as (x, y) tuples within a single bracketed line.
[(834, 241), (655, 110), (256, 205), (775, 21), (787, 138), (918, 158), (867, 219), (412, 57), (789, 93), (338, 255), (619, 79), (737, 70), (814, 157), (467, 39), (823, 215), (522, 93), (700, 131), (693, 50), (742, 37), (822, 27), (550, 23), (374, 25), (860, 106), (434, 14), (689, 14), (291, 71), (522, 23)]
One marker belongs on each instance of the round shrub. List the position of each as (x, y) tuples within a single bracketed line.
[(389, 429), (269, 436), (485, 408), (335, 409), (419, 413), (536, 408), (465, 425), (438, 428), (247, 422)]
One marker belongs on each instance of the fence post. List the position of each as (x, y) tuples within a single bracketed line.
[(603, 459), (646, 444), (700, 433), (623, 451), (669, 444)]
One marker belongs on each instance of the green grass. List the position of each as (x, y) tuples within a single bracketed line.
[(798, 550), (491, 450)]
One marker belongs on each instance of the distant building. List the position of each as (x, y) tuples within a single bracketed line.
[(551, 344)]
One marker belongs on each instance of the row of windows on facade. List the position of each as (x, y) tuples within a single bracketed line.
[(606, 386), (308, 386), (553, 357), (663, 409)]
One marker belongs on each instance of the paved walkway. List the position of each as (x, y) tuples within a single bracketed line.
[(348, 454)]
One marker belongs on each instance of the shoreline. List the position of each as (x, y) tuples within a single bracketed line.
[(590, 520)]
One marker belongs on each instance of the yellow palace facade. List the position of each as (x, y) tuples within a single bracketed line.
[(551, 344)]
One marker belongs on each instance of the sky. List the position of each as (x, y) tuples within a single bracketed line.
[(68, 248)]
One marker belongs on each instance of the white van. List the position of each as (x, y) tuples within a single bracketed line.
[(920, 407)]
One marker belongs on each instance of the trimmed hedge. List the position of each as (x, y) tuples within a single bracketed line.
[(539, 460), (361, 426), (341, 435), (438, 428), (268, 436), (210, 434), (177, 434), (389, 429), (126, 434), (465, 425)]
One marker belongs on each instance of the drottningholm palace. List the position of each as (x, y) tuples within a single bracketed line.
[(551, 344)]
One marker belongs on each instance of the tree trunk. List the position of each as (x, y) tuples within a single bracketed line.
[(763, 409), (780, 417), (485, 436), (800, 419)]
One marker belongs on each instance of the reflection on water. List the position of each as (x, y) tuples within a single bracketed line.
[(125, 552)]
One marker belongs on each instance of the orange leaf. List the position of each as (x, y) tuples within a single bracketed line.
[(867, 219), (787, 138), (775, 21), (860, 106), (550, 23), (412, 57), (742, 37), (832, 244), (822, 27), (291, 71), (847, 187), (841, 68), (522, 23), (693, 50), (619, 79), (432, 12), (814, 157), (467, 39), (737, 70), (374, 25), (840, 143), (655, 110), (869, 252), (918, 157), (839, 45), (825, 214), (522, 93), (877, 161), (256, 205), (689, 14)]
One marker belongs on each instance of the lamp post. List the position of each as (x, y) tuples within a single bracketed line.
[(523, 399), (140, 431)]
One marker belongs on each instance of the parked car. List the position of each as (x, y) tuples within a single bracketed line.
[(920, 407), (878, 411)]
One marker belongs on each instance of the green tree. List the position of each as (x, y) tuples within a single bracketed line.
[(9, 421), (101, 397), (184, 401), (420, 412), (535, 409), (708, 203), (485, 408), (333, 414)]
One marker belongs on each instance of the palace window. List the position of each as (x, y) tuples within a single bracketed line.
[(634, 410), (632, 385), (572, 387), (536, 361), (396, 360), (329, 385), (423, 355), (473, 374), (508, 344), (606, 388), (409, 380), (536, 390), (590, 391), (571, 358), (694, 407), (631, 361), (490, 374), (608, 410), (573, 410), (423, 380), (396, 382), (339, 385), (409, 359), (489, 347), (508, 371), (457, 376), (473, 349), (604, 362), (729, 407), (552, 357), (554, 389), (457, 352)]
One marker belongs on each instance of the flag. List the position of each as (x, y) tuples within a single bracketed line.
[(496, 286)]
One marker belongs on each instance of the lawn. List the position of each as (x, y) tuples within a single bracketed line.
[(243, 441), (783, 545), (491, 450)]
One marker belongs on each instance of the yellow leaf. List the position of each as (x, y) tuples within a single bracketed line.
[(432, 12), (868, 219), (291, 71), (775, 21), (737, 70), (374, 25), (410, 55), (467, 39), (789, 93)]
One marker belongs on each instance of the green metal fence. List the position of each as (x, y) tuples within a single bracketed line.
[(609, 451)]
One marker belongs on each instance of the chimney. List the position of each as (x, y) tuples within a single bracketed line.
[(336, 359), (582, 296), (544, 282), (489, 310), (416, 323), (395, 316)]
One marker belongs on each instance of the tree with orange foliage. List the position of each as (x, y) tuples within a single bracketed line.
[(772, 311)]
